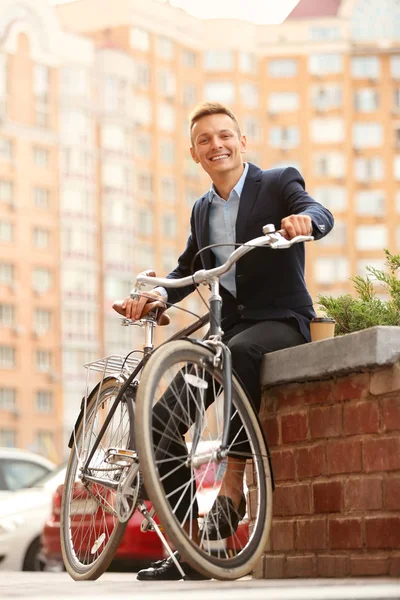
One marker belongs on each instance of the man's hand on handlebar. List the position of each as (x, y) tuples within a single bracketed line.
[(137, 307), (295, 225)]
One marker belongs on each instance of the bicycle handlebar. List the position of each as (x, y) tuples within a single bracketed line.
[(273, 239)]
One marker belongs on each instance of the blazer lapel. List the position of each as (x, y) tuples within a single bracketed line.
[(247, 201), (203, 232)]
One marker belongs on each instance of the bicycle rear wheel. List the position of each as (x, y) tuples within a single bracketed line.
[(179, 426), (90, 527)]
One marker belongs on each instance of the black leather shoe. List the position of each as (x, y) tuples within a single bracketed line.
[(165, 570), (223, 518)]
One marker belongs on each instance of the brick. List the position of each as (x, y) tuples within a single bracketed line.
[(270, 427), (282, 535), (259, 569), (325, 422), (385, 381), (283, 464), (394, 565), (250, 476), (311, 461), (381, 454), (390, 414), (287, 396), (345, 534), (360, 417), (294, 427), (352, 387), (344, 456), (391, 493), (311, 534), (274, 566), (363, 493), (332, 565), (327, 496), (318, 392), (292, 500), (301, 566), (382, 532), (368, 565)]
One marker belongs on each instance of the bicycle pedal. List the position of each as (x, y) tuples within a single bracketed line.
[(120, 456)]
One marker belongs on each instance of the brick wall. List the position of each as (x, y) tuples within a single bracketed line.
[(335, 447)]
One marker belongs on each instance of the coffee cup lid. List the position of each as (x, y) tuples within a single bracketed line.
[(323, 320)]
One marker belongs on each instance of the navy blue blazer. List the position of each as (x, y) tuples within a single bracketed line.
[(269, 283)]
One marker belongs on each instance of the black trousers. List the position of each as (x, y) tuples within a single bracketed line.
[(248, 341)]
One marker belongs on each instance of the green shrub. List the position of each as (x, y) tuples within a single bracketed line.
[(367, 310)]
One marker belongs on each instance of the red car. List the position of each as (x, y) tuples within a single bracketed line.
[(135, 549)]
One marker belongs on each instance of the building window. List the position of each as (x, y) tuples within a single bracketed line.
[(166, 117), (218, 60), (167, 151), (168, 189), (145, 222), (7, 315), (44, 443), (247, 62), (330, 270), (142, 76), (165, 48), (3, 83), (369, 169), (169, 259), (282, 68), (333, 197), (279, 102), (371, 237), (251, 128), (145, 182), (395, 66), (220, 91), (365, 67), (44, 401), (41, 156), (139, 39), (41, 198), (6, 232), (249, 94), (41, 91), (284, 137), (6, 192), (189, 59), (376, 263), (114, 94), (366, 100), (6, 273), (43, 360), (367, 135), (189, 94), (117, 138), (42, 280), (42, 321), (74, 81), (142, 110), (370, 202), (396, 167), (41, 237), (8, 438), (8, 399), (326, 130), (323, 34), (143, 145), (6, 149), (329, 164), (336, 237), (324, 64), (166, 83), (326, 97), (7, 357)]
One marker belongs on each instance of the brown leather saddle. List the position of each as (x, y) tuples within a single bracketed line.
[(162, 319)]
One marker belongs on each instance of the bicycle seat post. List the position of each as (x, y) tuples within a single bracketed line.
[(148, 336), (215, 302)]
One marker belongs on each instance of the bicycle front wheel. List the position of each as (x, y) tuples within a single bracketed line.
[(90, 527), (179, 427)]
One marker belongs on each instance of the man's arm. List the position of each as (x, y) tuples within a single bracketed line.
[(303, 211)]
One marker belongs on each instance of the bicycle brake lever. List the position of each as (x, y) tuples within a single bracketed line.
[(284, 243)]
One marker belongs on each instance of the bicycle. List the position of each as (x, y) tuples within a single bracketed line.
[(187, 414)]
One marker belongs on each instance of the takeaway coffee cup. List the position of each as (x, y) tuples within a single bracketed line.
[(322, 328)]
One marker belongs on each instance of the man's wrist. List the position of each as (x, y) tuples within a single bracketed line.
[(163, 293)]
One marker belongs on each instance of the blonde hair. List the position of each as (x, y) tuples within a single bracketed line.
[(211, 108)]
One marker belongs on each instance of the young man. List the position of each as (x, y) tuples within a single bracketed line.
[(266, 305)]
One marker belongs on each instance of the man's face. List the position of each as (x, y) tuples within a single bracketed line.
[(216, 144)]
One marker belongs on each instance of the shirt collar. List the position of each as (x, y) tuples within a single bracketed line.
[(238, 187)]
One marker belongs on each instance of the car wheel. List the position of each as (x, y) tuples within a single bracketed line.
[(33, 560)]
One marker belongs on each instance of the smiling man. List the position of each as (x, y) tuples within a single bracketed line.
[(266, 305)]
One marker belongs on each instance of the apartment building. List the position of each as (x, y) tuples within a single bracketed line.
[(96, 181)]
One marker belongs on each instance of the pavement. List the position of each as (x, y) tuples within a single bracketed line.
[(124, 586)]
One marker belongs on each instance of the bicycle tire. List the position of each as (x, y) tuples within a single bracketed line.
[(222, 563), (88, 515)]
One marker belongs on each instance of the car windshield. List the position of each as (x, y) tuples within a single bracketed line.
[(51, 480)]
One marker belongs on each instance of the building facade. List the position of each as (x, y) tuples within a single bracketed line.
[(97, 184)]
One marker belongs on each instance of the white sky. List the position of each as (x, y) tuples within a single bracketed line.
[(257, 11)]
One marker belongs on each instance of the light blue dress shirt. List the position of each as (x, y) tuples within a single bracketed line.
[(222, 223)]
